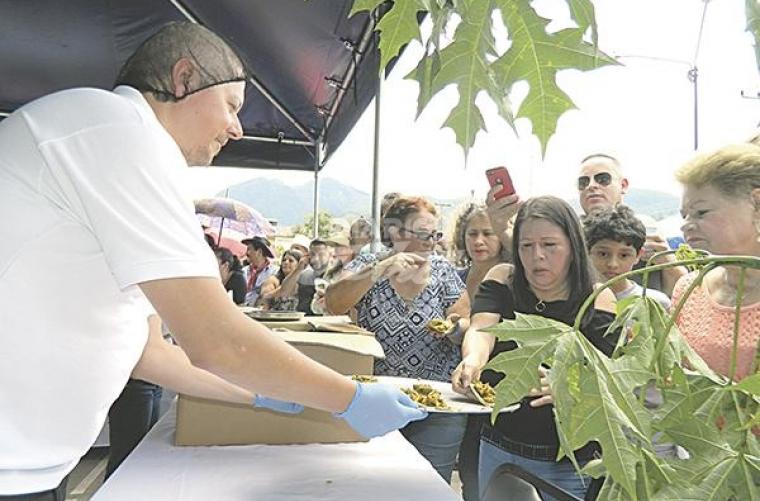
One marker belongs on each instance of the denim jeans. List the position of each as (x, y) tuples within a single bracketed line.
[(131, 416), (437, 438), (562, 473)]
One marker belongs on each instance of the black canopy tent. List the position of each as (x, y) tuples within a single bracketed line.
[(314, 70)]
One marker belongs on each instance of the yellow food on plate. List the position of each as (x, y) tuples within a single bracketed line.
[(440, 326), (364, 379), (424, 394), (484, 392)]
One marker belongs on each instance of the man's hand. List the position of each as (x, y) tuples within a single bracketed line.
[(545, 392), (377, 409)]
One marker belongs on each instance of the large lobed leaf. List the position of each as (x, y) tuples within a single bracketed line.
[(465, 63), (397, 27), (536, 338), (607, 412), (536, 56), (470, 61)]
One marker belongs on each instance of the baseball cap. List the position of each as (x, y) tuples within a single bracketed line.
[(338, 240), (301, 240), (261, 244)]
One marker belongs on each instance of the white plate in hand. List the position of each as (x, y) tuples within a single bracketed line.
[(458, 403)]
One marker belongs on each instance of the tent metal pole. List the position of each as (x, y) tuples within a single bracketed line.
[(317, 162), (376, 239)]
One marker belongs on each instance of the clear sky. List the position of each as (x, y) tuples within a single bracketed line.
[(641, 112)]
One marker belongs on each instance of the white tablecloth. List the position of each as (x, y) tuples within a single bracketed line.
[(386, 468)]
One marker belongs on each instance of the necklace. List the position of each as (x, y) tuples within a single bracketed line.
[(540, 306)]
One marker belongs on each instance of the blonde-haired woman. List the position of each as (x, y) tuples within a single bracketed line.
[(721, 211)]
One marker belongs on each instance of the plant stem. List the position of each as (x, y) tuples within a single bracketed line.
[(663, 339), (737, 315), (746, 261)]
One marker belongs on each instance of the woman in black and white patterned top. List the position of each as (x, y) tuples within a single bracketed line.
[(395, 297)]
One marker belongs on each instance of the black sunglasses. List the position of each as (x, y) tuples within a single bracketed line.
[(424, 235), (601, 178)]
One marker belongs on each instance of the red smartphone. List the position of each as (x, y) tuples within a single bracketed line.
[(500, 175)]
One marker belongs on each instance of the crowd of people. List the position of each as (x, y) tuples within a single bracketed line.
[(124, 276)]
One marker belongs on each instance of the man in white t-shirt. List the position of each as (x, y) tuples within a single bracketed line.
[(90, 187)]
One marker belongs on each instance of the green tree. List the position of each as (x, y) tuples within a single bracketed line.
[(307, 228)]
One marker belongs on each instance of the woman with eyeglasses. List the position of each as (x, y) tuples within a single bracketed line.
[(721, 212), (551, 277), (396, 297)]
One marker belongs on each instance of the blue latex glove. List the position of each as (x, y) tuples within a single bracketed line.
[(377, 409), (277, 405)]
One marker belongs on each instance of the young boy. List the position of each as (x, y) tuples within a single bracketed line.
[(615, 237)]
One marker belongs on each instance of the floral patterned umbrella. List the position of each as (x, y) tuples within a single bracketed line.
[(221, 213)]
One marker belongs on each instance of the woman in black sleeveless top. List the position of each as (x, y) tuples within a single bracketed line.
[(551, 277)]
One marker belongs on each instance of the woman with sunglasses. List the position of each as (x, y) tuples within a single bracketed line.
[(396, 297)]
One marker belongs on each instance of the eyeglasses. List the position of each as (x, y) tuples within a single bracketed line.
[(424, 235), (601, 178)]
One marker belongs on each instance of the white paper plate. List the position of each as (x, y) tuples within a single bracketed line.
[(459, 404)]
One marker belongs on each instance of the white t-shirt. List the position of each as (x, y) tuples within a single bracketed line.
[(637, 290), (92, 204)]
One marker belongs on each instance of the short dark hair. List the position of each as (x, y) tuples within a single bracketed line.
[(224, 255), (401, 208), (618, 224), (580, 275)]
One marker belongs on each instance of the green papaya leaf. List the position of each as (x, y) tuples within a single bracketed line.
[(424, 73), (397, 27), (536, 56), (750, 384), (465, 63), (609, 414), (584, 16)]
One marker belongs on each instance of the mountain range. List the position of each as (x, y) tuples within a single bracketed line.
[(289, 205)]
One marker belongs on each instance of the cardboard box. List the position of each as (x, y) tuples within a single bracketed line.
[(209, 422)]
